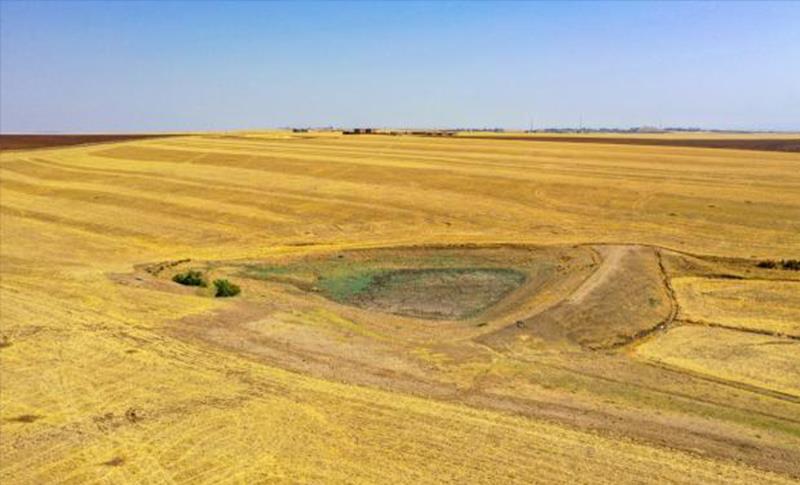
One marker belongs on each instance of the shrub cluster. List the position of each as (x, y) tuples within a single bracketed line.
[(791, 264), (190, 278), (225, 288)]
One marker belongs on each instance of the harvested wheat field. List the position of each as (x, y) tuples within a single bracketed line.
[(412, 309)]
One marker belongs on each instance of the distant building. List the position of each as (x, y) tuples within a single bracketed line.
[(359, 131)]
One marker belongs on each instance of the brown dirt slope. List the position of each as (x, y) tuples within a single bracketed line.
[(598, 314)]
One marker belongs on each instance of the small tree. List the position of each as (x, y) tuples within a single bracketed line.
[(225, 288), (190, 278)]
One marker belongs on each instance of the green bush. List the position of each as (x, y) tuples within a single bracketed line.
[(768, 264), (190, 278), (225, 288), (793, 264)]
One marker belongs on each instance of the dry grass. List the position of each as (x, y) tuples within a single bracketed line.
[(174, 386), (772, 306), (759, 360)]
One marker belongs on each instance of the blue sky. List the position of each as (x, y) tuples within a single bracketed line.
[(114, 66)]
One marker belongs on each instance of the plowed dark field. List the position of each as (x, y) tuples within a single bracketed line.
[(27, 142), (771, 144)]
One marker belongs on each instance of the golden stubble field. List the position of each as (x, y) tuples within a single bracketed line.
[(614, 328)]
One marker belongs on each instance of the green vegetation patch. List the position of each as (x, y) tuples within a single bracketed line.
[(346, 285), (226, 289), (190, 278)]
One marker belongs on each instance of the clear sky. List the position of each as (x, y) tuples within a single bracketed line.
[(140, 66)]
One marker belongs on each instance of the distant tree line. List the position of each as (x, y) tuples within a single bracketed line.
[(788, 264)]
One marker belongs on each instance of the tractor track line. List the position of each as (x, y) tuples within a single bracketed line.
[(740, 329), (725, 382), (688, 397)]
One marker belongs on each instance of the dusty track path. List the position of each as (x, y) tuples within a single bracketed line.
[(612, 256)]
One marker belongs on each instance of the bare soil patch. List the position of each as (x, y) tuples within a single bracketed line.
[(449, 294)]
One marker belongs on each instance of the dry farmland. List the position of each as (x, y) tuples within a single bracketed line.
[(465, 309)]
